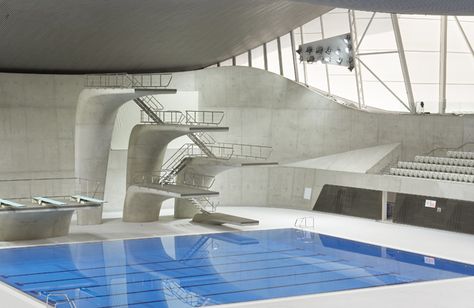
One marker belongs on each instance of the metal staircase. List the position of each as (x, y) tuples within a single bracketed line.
[(173, 288), (204, 204), (150, 108)]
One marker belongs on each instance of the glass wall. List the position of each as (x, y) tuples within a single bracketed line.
[(381, 59)]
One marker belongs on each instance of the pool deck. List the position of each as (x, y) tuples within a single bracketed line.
[(444, 244)]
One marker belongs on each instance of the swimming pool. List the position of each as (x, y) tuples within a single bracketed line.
[(210, 269)]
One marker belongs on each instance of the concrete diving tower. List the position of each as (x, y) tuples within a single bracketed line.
[(147, 148), (201, 171), (189, 172)]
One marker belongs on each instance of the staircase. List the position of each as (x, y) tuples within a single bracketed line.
[(457, 166), (204, 204), (150, 108)]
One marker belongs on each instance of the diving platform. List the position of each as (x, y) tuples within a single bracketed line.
[(220, 219)]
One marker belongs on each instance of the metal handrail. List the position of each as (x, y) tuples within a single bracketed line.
[(448, 149), (168, 117), (248, 150), (71, 302), (204, 117), (302, 222), (205, 137), (152, 102), (127, 81), (198, 180)]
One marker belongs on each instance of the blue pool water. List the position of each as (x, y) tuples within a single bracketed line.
[(201, 270)]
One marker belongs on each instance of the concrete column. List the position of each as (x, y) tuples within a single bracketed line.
[(384, 206)]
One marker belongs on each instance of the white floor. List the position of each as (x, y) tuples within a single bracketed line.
[(430, 242)]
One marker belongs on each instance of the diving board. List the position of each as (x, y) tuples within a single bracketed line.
[(220, 219), (44, 200), (82, 199), (10, 203)]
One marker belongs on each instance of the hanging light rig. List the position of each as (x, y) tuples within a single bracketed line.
[(335, 50)]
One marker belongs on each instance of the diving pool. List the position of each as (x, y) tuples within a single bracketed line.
[(211, 269)]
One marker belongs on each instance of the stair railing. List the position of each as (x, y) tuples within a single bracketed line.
[(127, 81), (204, 117), (70, 302), (168, 117), (198, 180), (248, 151)]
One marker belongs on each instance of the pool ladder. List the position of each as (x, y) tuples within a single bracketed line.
[(305, 222), (68, 300)]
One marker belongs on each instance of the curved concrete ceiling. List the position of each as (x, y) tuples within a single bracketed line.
[(428, 7), (86, 36)]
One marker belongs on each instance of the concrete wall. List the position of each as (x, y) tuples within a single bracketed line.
[(37, 119), (299, 124)]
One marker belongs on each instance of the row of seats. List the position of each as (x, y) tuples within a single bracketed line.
[(435, 167), (433, 175), (461, 154), (445, 161)]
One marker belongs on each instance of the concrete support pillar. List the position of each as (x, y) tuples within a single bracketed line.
[(384, 206)]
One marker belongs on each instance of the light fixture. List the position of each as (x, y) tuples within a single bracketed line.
[(309, 49), (347, 38), (339, 61), (327, 59), (348, 48), (337, 52), (328, 50)]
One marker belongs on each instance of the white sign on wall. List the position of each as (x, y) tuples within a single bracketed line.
[(430, 203), (307, 193)]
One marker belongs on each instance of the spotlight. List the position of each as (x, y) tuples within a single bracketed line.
[(348, 48), (327, 59), (347, 39), (338, 52), (319, 50), (328, 50), (339, 61), (311, 59), (309, 49)]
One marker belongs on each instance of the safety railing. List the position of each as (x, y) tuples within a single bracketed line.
[(203, 117), (173, 289), (123, 80), (168, 117), (177, 161), (248, 151), (153, 178), (66, 300), (54, 187), (198, 180), (205, 138), (152, 102), (204, 204), (305, 222)]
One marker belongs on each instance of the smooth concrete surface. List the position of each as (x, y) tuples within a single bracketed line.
[(430, 242), (95, 119), (300, 124), (37, 123), (360, 161), (146, 152), (34, 224)]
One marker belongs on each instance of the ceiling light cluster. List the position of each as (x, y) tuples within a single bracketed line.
[(335, 50)]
